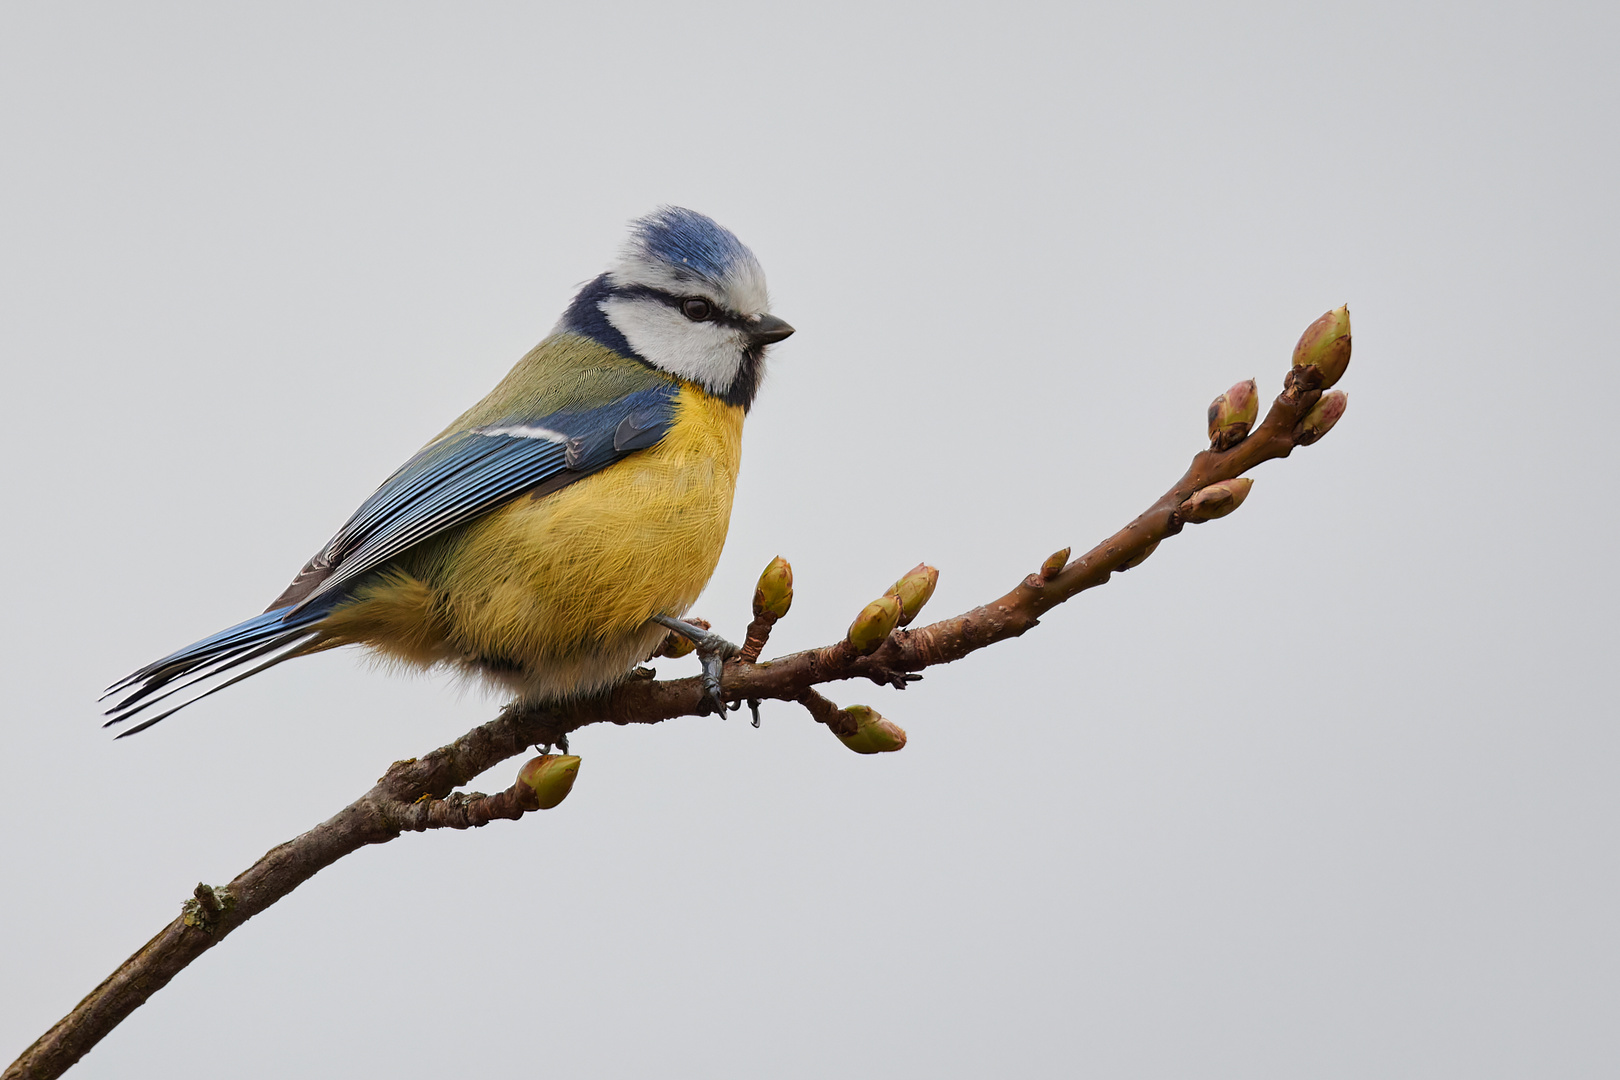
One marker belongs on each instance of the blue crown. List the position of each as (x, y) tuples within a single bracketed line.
[(686, 238)]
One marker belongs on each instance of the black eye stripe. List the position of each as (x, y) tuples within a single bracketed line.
[(717, 314)]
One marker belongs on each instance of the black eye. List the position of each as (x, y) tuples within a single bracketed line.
[(696, 308)]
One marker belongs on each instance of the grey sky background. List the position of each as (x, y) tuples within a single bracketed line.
[(1325, 789)]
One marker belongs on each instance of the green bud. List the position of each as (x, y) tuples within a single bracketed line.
[(550, 777), (914, 590), (1216, 500), (1325, 346), (874, 624), (774, 593), (1232, 415), (1320, 420), (675, 646), (1054, 564), (873, 734)]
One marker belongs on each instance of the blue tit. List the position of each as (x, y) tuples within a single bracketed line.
[(549, 538)]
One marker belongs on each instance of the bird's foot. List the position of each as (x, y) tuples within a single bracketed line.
[(560, 744), (713, 652)]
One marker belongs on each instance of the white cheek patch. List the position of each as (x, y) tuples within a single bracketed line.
[(704, 352)]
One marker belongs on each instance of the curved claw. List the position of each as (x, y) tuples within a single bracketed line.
[(561, 744), (713, 692), (713, 652)]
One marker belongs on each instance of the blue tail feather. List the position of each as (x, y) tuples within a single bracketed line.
[(284, 631)]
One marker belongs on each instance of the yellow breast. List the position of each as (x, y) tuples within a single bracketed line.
[(553, 593)]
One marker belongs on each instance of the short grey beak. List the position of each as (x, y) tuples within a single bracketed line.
[(767, 329)]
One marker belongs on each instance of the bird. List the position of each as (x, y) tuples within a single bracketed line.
[(551, 537)]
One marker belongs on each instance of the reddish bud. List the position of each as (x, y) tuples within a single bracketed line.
[(1232, 415), (1054, 564), (873, 734), (1320, 420), (550, 777), (1325, 346), (1216, 500)]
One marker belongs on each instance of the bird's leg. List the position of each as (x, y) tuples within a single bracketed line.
[(561, 744), (712, 650)]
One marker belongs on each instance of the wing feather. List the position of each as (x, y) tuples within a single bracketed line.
[(450, 482), (468, 474)]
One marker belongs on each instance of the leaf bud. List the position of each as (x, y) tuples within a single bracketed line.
[(774, 593), (1320, 420), (1325, 346), (873, 734), (874, 624), (550, 777), (1216, 500), (674, 646), (914, 590), (1232, 415), (1054, 564)]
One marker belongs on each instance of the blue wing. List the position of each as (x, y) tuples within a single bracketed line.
[(469, 473), (450, 482)]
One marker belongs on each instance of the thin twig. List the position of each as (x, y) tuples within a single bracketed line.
[(415, 795)]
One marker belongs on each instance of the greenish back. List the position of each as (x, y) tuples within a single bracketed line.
[(563, 372)]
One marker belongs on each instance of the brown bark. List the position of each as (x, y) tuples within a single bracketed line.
[(415, 795)]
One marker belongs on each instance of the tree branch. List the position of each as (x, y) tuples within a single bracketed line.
[(416, 795)]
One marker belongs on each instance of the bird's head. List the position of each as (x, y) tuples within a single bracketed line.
[(686, 297)]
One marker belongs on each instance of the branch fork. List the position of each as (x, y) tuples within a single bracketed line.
[(420, 793)]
